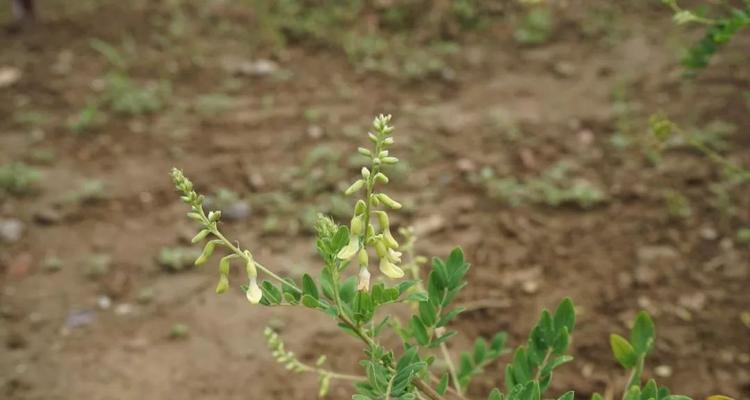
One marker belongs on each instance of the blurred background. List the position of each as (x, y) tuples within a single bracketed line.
[(523, 131)]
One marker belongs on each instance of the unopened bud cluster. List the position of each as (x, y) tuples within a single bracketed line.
[(209, 226), (364, 235)]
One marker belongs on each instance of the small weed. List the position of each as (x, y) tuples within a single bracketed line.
[(179, 331), (97, 265), (678, 206), (90, 191), (123, 96), (553, 188), (535, 27), (18, 179), (213, 104), (52, 264), (32, 119), (743, 236), (89, 118), (175, 259)]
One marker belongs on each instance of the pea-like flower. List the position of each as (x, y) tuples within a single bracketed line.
[(254, 294), (353, 247), (388, 258)]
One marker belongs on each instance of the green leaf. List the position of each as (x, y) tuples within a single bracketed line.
[(290, 298), (634, 393), (348, 289), (561, 342), (403, 286), (623, 351), (442, 386), (510, 379), (418, 296), (427, 313), (546, 328), (289, 291), (455, 267), (419, 331), (565, 315), (308, 287), (554, 363), (596, 396), (681, 397), (650, 391), (340, 239), (326, 283), (495, 395), (642, 334), (498, 342), (521, 369), (447, 317), (567, 396), (440, 339), (310, 302), (380, 326), (271, 292), (480, 350)]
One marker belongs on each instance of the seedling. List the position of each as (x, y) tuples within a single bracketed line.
[(535, 27), (175, 259), (710, 143), (18, 179), (719, 30), (554, 188), (359, 303)]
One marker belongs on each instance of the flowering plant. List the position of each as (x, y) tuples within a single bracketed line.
[(352, 300)]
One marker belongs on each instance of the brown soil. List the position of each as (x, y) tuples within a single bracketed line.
[(613, 260)]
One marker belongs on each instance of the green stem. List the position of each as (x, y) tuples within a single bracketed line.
[(244, 256), (542, 365), (334, 375), (635, 376)]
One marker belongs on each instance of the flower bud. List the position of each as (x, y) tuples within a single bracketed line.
[(389, 201), (380, 177), (252, 272), (360, 207), (207, 251), (214, 216), (365, 152), (390, 160), (365, 172), (224, 264), (381, 249), (372, 137), (383, 219), (195, 216), (383, 153), (390, 241), (223, 284), (363, 282), (363, 258), (200, 236), (388, 141), (356, 226), (355, 187), (253, 294)]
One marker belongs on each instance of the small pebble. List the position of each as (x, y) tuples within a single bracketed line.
[(530, 287), (104, 302), (11, 230), (663, 371), (124, 309)]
